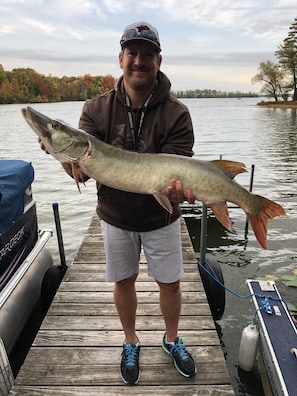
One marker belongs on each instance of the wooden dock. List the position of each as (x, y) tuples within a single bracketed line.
[(77, 350)]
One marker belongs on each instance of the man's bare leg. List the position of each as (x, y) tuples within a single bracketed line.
[(126, 302)]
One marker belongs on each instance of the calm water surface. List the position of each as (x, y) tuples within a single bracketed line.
[(231, 128)]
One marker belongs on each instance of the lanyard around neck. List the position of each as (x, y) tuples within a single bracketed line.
[(136, 134)]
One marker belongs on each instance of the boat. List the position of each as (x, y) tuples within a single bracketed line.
[(270, 343), (26, 265)]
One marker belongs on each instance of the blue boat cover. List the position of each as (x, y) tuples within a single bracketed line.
[(15, 178)]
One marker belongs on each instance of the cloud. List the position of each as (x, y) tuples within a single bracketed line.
[(7, 29), (251, 16), (38, 25), (221, 59), (75, 37), (52, 56), (218, 58)]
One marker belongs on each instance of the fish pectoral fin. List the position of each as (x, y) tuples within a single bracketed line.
[(220, 210), (75, 174), (231, 168), (163, 201)]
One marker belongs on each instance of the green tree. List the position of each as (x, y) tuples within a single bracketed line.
[(274, 79), (287, 56), (2, 74)]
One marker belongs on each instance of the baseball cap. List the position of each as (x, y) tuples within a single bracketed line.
[(141, 31)]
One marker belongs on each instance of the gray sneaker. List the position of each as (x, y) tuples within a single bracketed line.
[(183, 361), (130, 364)]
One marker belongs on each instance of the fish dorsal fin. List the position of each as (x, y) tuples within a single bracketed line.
[(231, 168)]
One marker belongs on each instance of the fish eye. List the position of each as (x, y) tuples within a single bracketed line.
[(55, 125)]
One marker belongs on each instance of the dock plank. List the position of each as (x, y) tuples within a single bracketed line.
[(170, 390), (77, 349)]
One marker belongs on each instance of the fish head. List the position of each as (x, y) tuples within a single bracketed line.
[(62, 141)]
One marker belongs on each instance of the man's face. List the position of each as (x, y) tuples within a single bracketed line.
[(140, 64)]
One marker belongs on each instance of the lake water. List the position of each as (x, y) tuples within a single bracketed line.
[(234, 129)]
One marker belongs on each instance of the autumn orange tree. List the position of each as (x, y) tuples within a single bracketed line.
[(25, 85)]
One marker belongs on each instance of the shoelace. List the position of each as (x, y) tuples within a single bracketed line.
[(130, 352), (181, 350)]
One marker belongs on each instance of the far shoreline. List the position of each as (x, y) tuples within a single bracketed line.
[(287, 104)]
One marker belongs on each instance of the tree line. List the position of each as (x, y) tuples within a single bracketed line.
[(213, 93), (25, 85), (280, 79)]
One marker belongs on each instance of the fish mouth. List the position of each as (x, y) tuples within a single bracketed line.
[(42, 126), (38, 122)]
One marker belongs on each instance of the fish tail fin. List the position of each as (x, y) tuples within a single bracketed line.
[(220, 210), (259, 222), (231, 168)]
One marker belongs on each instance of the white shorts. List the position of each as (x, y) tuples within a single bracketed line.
[(162, 249)]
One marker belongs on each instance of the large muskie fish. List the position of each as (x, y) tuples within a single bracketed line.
[(144, 173)]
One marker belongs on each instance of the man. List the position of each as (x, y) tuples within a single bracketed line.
[(140, 114)]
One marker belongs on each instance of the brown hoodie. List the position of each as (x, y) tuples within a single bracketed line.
[(167, 128)]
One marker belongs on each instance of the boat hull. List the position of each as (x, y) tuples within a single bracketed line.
[(23, 296), (24, 260), (17, 242)]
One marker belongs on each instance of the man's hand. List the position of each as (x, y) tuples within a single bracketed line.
[(176, 193), (42, 146)]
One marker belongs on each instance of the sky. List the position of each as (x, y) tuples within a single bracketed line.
[(213, 44)]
